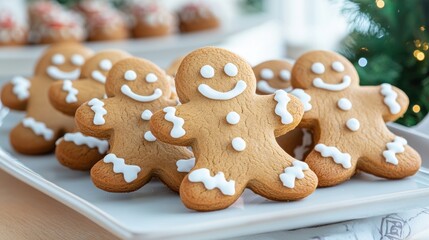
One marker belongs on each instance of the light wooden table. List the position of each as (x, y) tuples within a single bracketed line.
[(26, 213)]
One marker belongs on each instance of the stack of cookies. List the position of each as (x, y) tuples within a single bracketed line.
[(279, 129)]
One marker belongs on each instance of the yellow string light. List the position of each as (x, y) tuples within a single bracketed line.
[(380, 3), (420, 56), (422, 28), (416, 108)]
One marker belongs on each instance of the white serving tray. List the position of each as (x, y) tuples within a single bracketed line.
[(155, 212)]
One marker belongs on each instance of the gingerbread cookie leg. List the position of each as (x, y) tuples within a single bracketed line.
[(393, 160)]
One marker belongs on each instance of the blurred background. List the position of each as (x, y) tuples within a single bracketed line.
[(387, 40)]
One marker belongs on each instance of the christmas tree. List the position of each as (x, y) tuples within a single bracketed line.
[(389, 42)]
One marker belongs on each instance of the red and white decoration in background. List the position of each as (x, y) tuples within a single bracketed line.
[(13, 23)]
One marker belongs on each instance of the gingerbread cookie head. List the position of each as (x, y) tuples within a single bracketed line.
[(272, 76), (216, 79), (62, 61), (137, 79), (324, 70), (97, 67)]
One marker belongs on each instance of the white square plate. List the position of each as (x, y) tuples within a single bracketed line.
[(154, 212)]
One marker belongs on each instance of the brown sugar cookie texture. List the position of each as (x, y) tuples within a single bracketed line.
[(348, 121), (275, 75), (232, 133), (136, 89), (195, 17), (76, 150), (43, 125), (151, 19)]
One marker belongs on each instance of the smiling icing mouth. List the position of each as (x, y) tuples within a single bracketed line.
[(319, 83), (157, 93), (263, 86), (57, 74), (209, 92), (98, 76)]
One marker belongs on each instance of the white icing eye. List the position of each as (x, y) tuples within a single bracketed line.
[(58, 59), (338, 66), (130, 75), (151, 77), (105, 64), (77, 60), (230, 69), (266, 74), (318, 68), (207, 71), (285, 75)]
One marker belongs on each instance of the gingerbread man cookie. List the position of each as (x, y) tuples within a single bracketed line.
[(76, 150), (232, 133), (43, 125), (136, 89), (349, 121)]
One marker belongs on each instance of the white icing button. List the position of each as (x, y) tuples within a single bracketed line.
[(344, 104), (233, 118), (238, 144), (77, 60), (151, 77), (146, 115), (130, 75), (285, 75), (148, 136), (230, 69), (105, 64), (353, 124), (338, 66), (267, 74), (58, 59), (207, 71), (318, 68)]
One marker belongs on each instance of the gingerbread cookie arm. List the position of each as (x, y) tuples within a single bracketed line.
[(392, 101), (96, 117), (171, 126), (15, 94), (66, 96)]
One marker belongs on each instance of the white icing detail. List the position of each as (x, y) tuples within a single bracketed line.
[(232, 118), (319, 83), (339, 158), (59, 140), (57, 74), (157, 93), (296, 171), (105, 64), (318, 68), (177, 131), (303, 97), (105, 96), (148, 136), (79, 139), (218, 181), (98, 76), (151, 78), (210, 93), (39, 128), (353, 124), (207, 71), (299, 151), (390, 97), (97, 107), (77, 60), (238, 144), (58, 59), (393, 148), (230, 69), (71, 91), (20, 87), (344, 104), (146, 115), (338, 66), (264, 87), (130, 75), (266, 74), (285, 75), (185, 165), (119, 166), (282, 100)]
